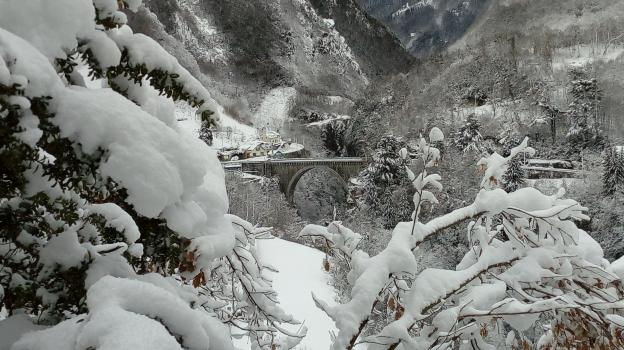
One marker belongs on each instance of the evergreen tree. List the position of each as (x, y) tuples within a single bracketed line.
[(387, 191), (468, 138), (514, 176), (584, 110), (333, 136), (613, 171), (387, 165)]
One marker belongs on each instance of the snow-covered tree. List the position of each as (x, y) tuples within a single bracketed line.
[(613, 171), (585, 110), (333, 136), (385, 192), (387, 165), (108, 208), (514, 176), (531, 278), (468, 138)]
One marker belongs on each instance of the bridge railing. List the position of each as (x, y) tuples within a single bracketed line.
[(298, 160)]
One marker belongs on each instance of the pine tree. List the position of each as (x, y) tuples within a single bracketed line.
[(584, 110), (613, 171), (514, 176), (468, 138), (387, 165), (387, 191)]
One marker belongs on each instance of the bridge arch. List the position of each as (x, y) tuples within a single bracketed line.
[(290, 170), (294, 180)]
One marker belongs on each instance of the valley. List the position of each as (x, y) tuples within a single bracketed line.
[(311, 174)]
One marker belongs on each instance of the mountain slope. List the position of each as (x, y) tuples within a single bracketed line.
[(249, 47), (370, 40), (427, 26), (515, 57)]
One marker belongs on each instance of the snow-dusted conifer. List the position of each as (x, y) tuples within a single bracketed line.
[(613, 171), (514, 176), (584, 110), (333, 136), (468, 138), (205, 133), (385, 192)]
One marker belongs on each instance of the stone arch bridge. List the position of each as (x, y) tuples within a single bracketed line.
[(290, 171)]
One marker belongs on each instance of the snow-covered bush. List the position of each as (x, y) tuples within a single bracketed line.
[(333, 136), (107, 207), (238, 291), (205, 130), (530, 278)]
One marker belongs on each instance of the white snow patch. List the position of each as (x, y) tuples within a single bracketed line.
[(273, 111), (12, 328), (300, 274), (582, 55), (229, 134), (329, 120)]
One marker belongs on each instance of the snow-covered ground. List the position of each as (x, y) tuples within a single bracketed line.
[(300, 274), (552, 186), (581, 55), (231, 134), (12, 328), (329, 120), (273, 111)]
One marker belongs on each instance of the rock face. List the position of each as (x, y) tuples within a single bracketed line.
[(376, 48), (426, 26), (249, 47)]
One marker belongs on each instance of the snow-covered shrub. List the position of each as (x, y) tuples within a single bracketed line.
[(529, 271), (239, 293), (107, 206), (205, 132), (333, 136)]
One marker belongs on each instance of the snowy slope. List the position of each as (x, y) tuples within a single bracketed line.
[(230, 133), (300, 274), (274, 109)]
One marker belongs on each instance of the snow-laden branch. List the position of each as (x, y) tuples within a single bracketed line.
[(534, 262)]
